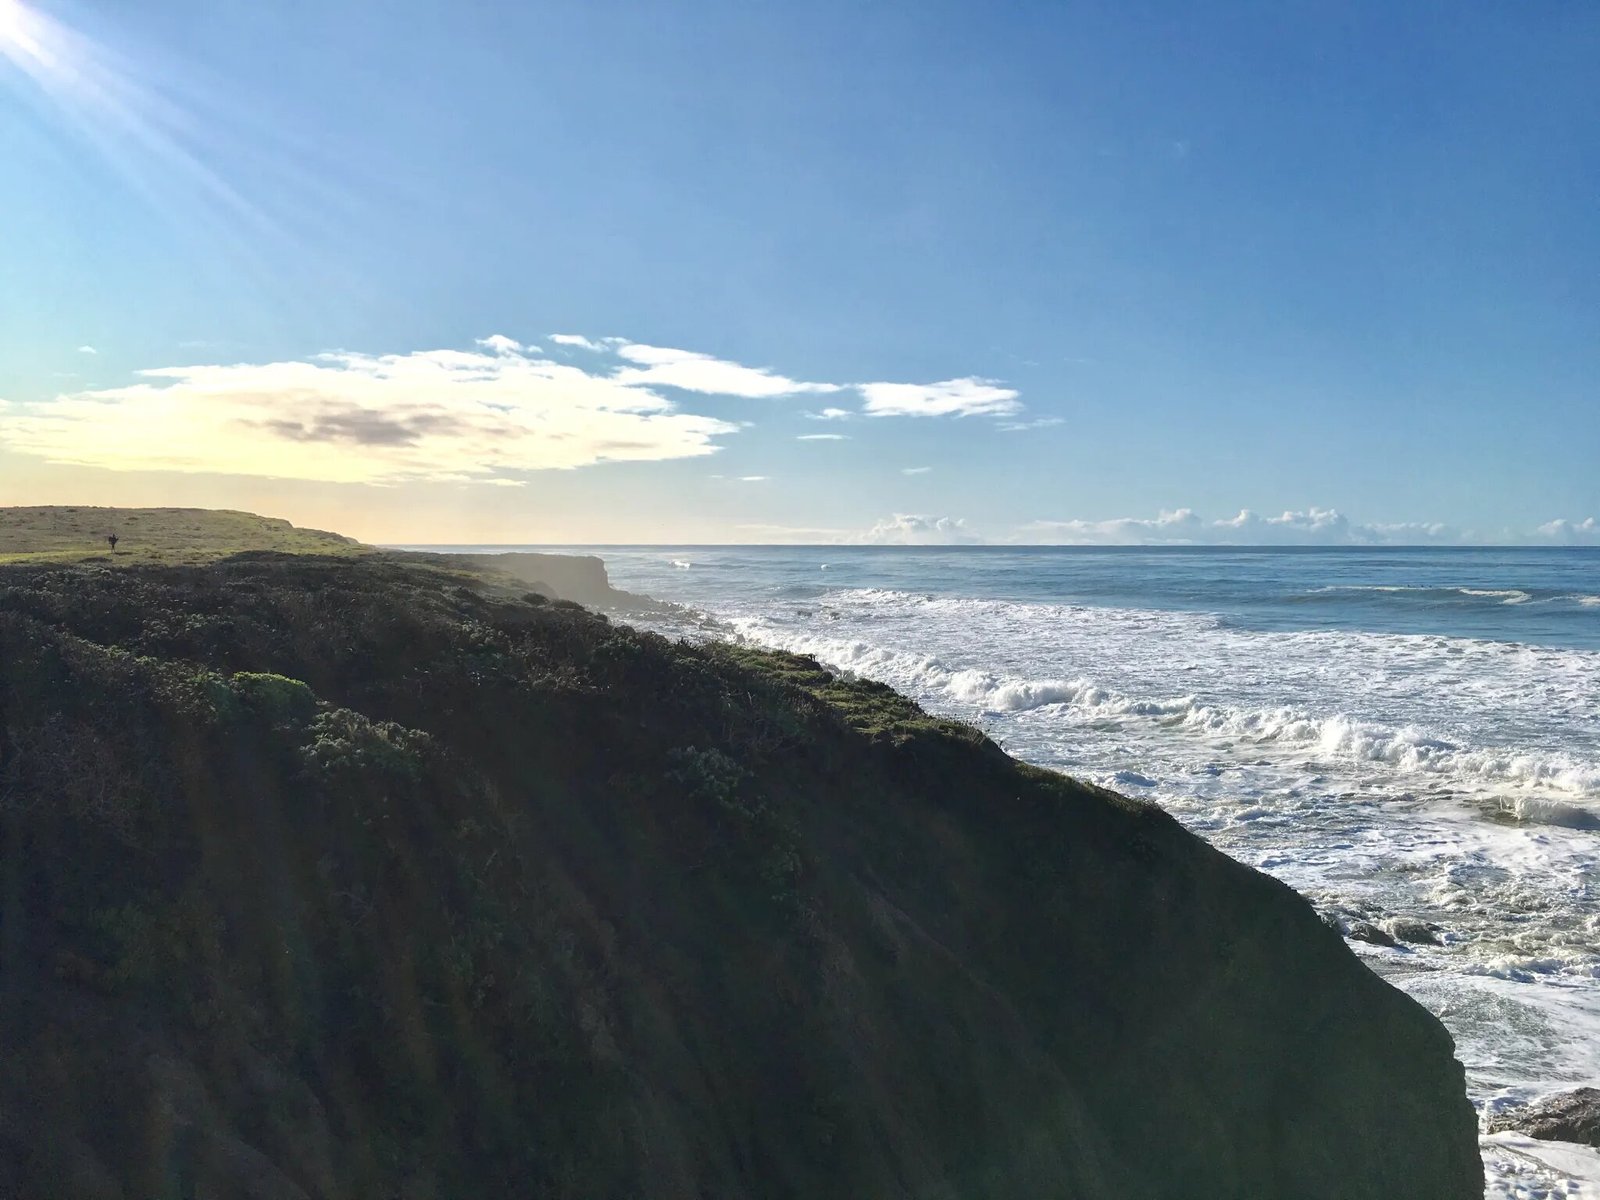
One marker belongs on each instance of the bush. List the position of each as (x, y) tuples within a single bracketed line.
[(346, 741), (709, 774), (282, 700)]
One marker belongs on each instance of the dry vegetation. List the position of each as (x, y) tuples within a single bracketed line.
[(78, 533)]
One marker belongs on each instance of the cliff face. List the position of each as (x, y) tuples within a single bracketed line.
[(580, 578), (326, 879)]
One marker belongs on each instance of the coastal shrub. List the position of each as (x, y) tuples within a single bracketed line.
[(709, 774), (281, 700), (346, 742), (204, 697), (758, 840)]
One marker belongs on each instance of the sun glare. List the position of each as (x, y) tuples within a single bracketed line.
[(13, 20), (17, 30)]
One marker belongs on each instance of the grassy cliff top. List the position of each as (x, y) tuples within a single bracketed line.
[(77, 533)]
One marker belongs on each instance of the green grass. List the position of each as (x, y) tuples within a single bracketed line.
[(871, 708), (66, 534)]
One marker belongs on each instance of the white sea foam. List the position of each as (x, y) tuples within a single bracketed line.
[(1505, 595), (1525, 783)]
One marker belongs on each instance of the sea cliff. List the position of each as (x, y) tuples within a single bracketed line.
[(363, 877)]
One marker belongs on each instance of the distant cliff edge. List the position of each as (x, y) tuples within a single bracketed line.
[(580, 578)]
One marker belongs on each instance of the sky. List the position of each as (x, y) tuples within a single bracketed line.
[(741, 272)]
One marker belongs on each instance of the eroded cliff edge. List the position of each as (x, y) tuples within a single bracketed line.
[(341, 878)]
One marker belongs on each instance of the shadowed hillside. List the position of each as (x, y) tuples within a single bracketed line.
[(335, 877)]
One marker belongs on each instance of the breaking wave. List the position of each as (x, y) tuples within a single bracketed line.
[(1523, 783)]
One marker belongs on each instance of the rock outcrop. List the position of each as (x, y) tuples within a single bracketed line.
[(326, 878), (1570, 1117)]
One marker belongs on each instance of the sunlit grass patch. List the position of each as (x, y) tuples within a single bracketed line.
[(81, 533)]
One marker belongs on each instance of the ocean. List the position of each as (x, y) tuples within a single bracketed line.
[(1399, 734)]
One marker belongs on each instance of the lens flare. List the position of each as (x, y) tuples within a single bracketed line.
[(239, 193), (17, 30)]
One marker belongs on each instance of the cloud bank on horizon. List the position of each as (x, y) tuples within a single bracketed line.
[(1185, 527), (484, 415)]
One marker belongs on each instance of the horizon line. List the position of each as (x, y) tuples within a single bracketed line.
[(990, 545)]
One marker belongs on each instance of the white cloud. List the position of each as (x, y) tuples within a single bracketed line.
[(457, 415), (902, 529), (87, 350), (355, 418), (1565, 531), (661, 366), (499, 343), (822, 437), (951, 398), (1312, 527), (753, 478), (915, 470), (1184, 526), (1040, 423), (797, 534), (912, 529)]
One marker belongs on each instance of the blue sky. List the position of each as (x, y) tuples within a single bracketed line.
[(1120, 260)]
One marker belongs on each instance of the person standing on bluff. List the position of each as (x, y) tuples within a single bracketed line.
[(113, 539)]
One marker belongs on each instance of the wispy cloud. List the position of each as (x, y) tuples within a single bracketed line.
[(1039, 423), (499, 343), (661, 366), (951, 398), (823, 437), (793, 534), (754, 478), (915, 470), (693, 371), (87, 350), (901, 529), (358, 418)]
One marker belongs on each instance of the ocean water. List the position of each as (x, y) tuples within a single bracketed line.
[(1398, 734)]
